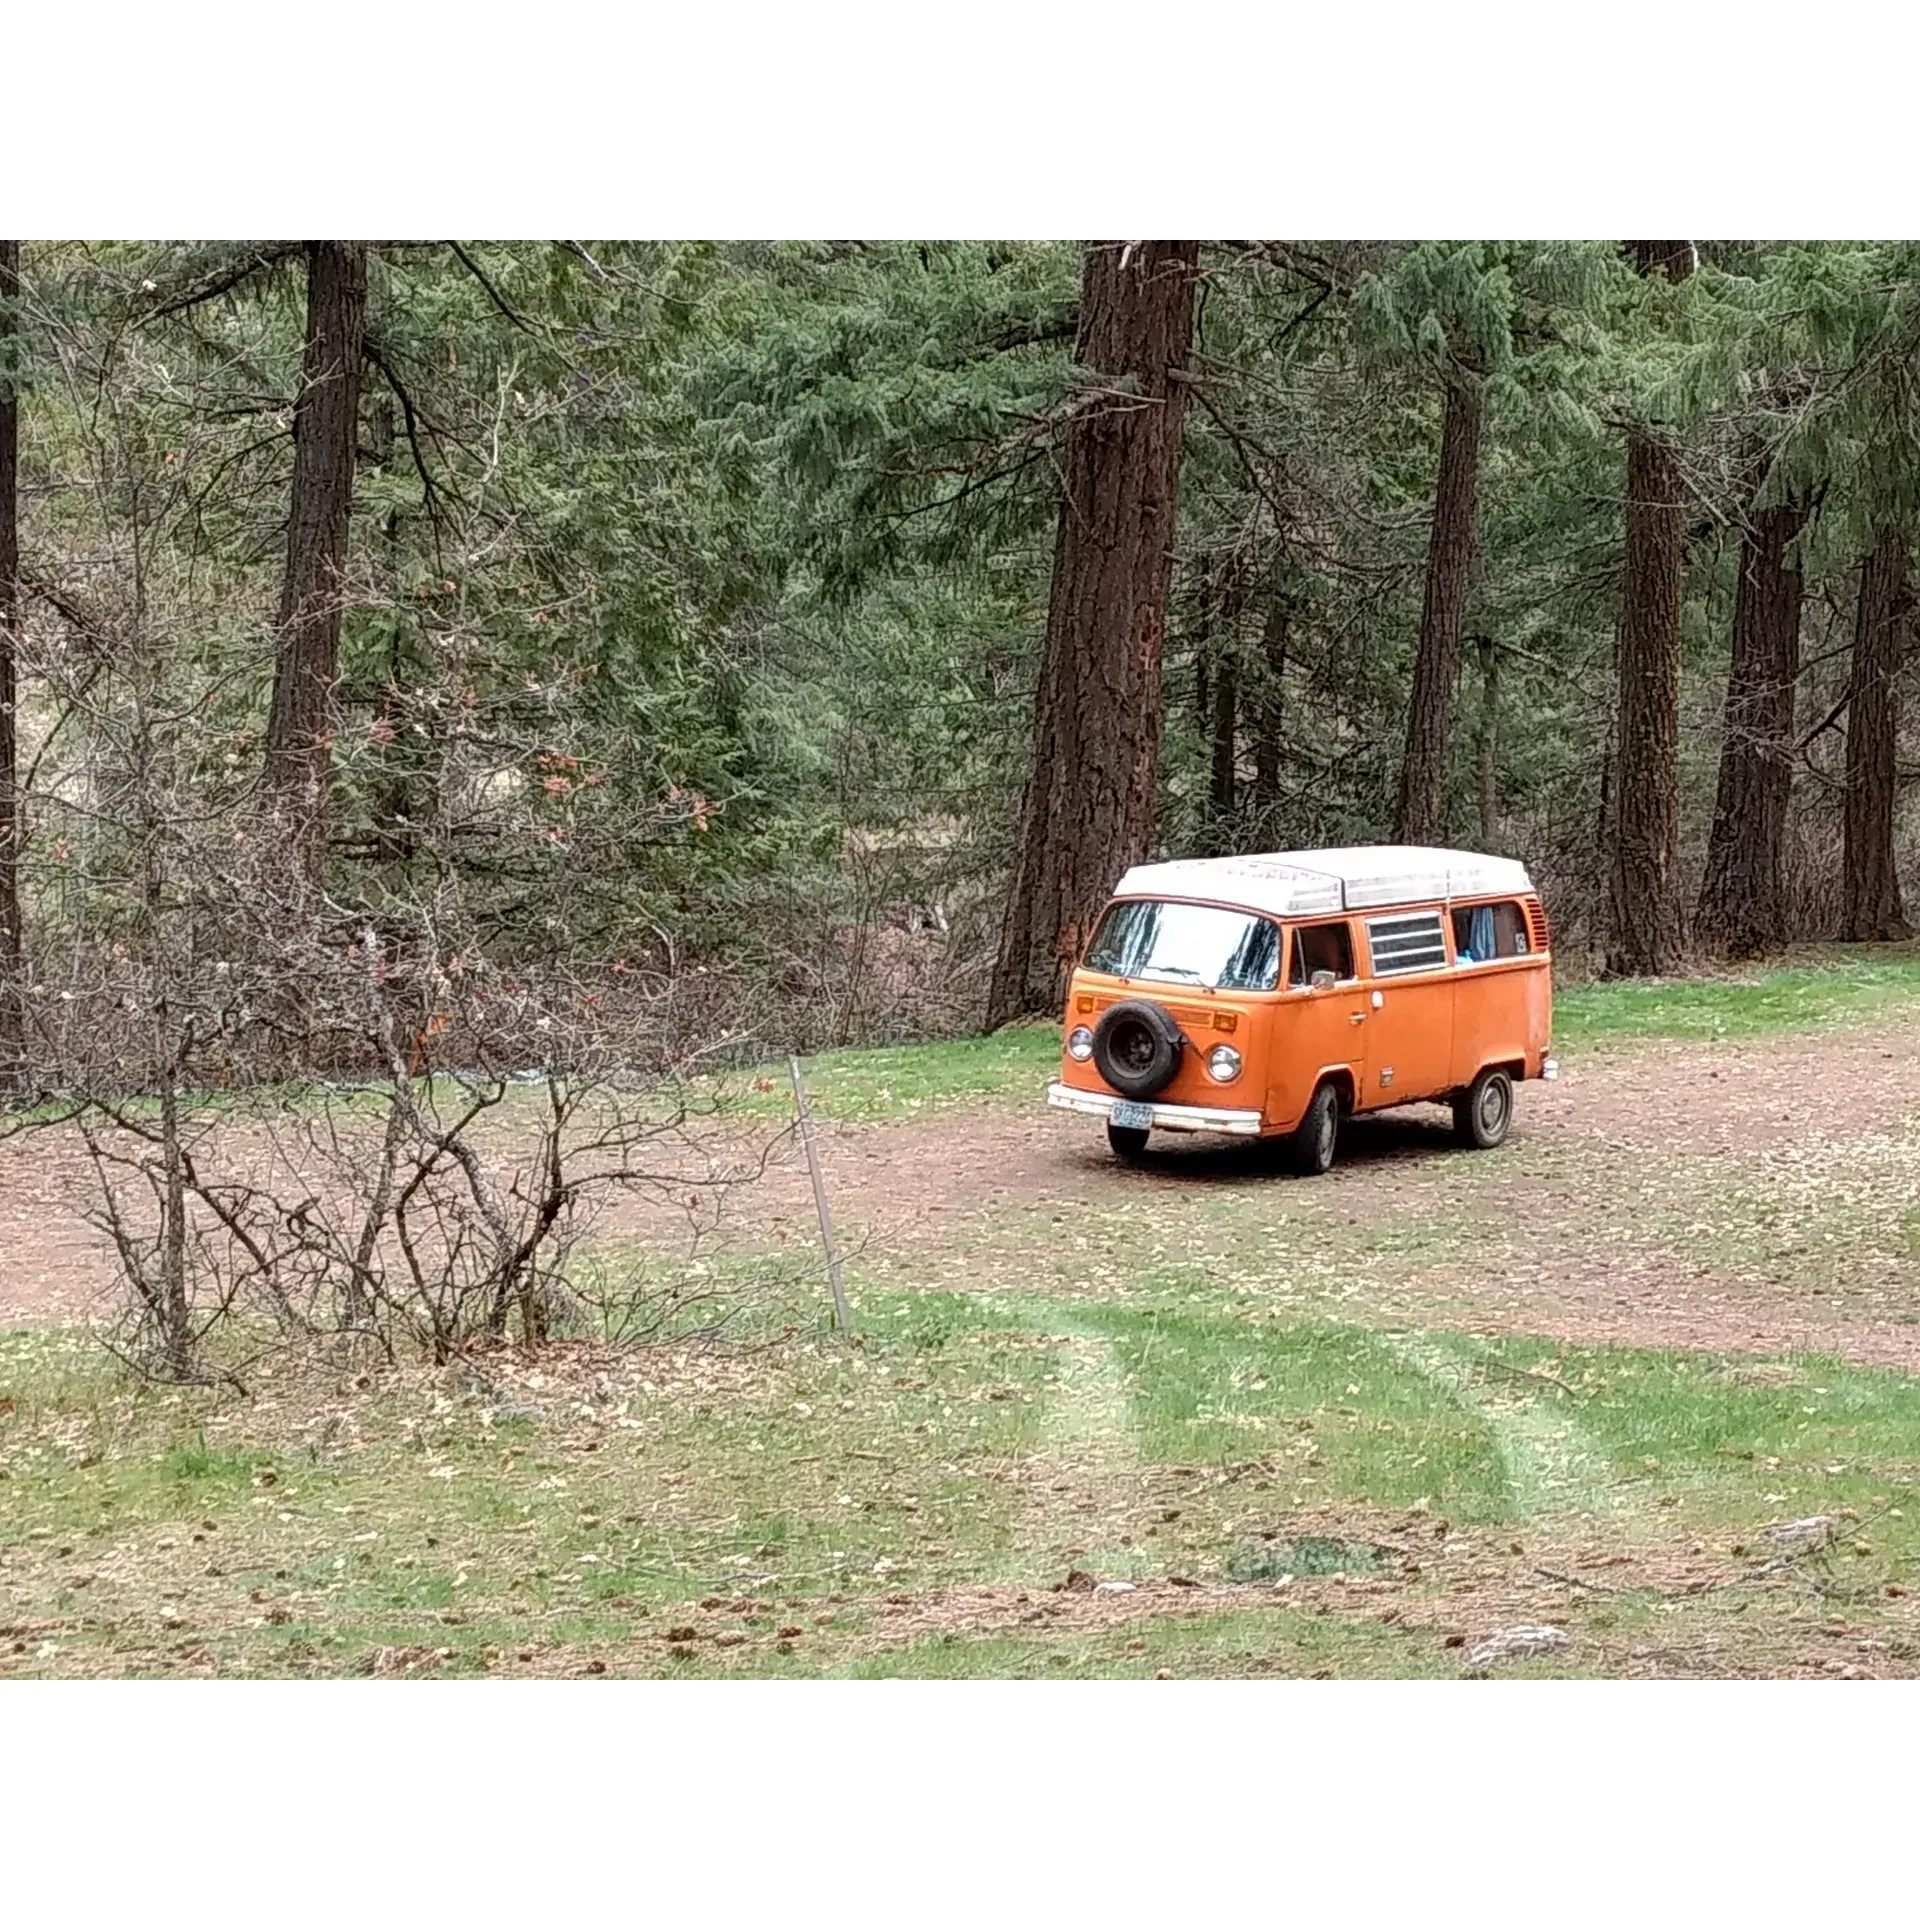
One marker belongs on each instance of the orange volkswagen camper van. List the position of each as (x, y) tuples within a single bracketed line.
[(1272, 995)]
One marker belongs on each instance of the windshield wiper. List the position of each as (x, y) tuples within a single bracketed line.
[(1178, 973)]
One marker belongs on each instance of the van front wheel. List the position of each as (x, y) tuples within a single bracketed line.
[(1312, 1145), (1483, 1114), (1128, 1143)]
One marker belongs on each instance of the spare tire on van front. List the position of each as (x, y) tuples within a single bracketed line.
[(1136, 1047)]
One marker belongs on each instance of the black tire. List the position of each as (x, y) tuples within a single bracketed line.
[(1313, 1143), (1483, 1115), (1128, 1143), (1136, 1046)]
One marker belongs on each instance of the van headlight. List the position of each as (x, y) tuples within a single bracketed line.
[(1080, 1043), (1224, 1063)]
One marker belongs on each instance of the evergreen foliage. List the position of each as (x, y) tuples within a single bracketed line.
[(697, 589)]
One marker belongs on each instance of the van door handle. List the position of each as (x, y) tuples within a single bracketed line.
[(1354, 1019)]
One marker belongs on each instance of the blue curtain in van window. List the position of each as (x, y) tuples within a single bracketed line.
[(1480, 934)]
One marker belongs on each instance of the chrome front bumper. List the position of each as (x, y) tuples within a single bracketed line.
[(1172, 1119)]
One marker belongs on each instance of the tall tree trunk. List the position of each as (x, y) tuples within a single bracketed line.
[(1743, 910), (1873, 910), (1222, 788), (1420, 815), (1087, 812), (299, 757), (12, 985), (1487, 747), (1269, 727), (1648, 934)]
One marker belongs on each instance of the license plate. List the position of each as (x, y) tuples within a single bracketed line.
[(1130, 1113)]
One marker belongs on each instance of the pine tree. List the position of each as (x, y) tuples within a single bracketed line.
[(1648, 935), (1088, 808), (12, 984), (1471, 318), (1420, 812), (1825, 335), (299, 754), (1880, 643), (1742, 911)]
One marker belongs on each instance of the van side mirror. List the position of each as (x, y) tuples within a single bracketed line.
[(1323, 978)]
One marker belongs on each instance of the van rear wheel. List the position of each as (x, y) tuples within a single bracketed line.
[(1483, 1114), (1128, 1143), (1310, 1148)]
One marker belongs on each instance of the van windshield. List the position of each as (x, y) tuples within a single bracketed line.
[(1175, 940)]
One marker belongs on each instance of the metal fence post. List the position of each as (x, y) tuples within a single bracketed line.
[(841, 1317)]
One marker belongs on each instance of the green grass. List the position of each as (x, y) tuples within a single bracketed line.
[(1750, 1442), (1839, 984), (970, 1441), (194, 1460), (1349, 1418), (901, 1083), (1265, 1642)]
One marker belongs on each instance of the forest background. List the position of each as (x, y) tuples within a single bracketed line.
[(791, 642)]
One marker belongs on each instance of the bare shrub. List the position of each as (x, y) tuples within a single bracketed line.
[(415, 1208), (376, 1116)]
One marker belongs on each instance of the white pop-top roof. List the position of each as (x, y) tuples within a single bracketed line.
[(1330, 879)]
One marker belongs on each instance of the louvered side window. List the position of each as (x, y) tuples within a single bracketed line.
[(1537, 921), (1406, 943)]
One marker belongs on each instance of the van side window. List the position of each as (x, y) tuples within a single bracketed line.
[(1322, 949), (1494, 932), (1406, 943)]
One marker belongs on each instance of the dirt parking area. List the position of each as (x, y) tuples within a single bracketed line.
[(1745, 1196)]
